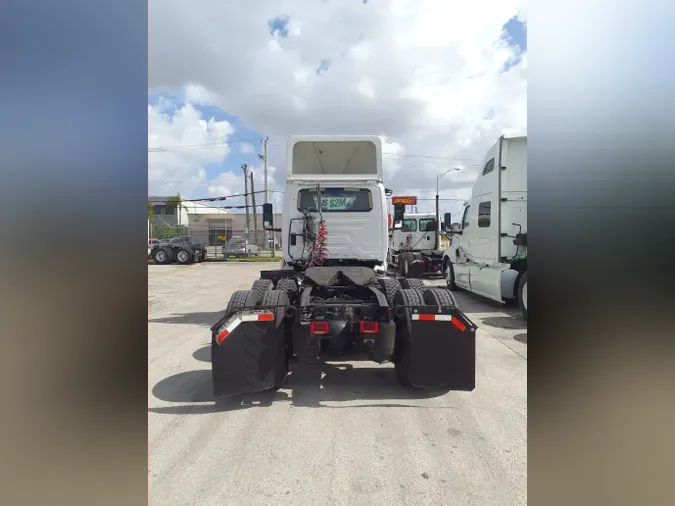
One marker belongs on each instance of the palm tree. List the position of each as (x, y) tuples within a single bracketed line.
[(177, 204)]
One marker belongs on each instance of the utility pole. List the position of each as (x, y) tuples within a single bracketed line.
[(244, 167), (266, 236), (265, 165), (255, 219)]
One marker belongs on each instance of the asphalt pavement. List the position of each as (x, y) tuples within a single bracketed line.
[(363, 440)]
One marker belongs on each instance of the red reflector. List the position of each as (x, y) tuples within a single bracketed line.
[(369, 327), (318, 328), (458, 324), (266, 317), (221, 337), (427, 317)]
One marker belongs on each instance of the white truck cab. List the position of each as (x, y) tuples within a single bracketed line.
[(488, 254), (345, 173), (413, 234)]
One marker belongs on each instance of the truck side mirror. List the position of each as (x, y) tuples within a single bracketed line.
[(447, 219), (268, 217), (399, 213)]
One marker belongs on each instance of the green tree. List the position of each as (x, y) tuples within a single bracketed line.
[(177, 204)]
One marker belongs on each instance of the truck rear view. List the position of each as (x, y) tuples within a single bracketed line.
[(331, 294)]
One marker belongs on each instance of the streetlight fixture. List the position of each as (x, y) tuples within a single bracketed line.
[(438, 221)]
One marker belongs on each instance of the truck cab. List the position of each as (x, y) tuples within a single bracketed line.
[(417, 232), (414, 247), (338, 180), (488, 253)]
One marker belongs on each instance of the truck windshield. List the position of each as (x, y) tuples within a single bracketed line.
[(336, 199)]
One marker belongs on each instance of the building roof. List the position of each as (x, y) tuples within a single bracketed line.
[(190, 207)]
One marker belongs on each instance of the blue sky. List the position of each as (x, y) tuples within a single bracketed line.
[(235, 159), (514, 34)]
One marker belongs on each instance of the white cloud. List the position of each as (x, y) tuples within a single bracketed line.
[(199, 141), (427, 74)]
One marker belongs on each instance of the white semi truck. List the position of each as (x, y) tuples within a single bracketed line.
[(414, 249), (488, 253), (332, 292)]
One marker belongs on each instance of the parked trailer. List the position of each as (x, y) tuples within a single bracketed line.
[(332, 292)]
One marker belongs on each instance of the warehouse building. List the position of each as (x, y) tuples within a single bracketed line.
[(206, 222)]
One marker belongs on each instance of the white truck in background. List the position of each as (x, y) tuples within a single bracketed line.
[(488, 253), (414, 249)]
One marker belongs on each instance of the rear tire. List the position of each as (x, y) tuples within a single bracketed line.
[(289, 286), (238, 301), (449, 274), (184, 256), (389, 287), (261, 286), (522, 295), (163, 256), (413, 284), (438, 297), (402, 358)]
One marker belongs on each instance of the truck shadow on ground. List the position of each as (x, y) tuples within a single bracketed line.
[(203, 354), (505, 322), (521, 338), (192, 391), (205, 319)]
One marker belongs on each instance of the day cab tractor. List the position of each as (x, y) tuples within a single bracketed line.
[(331, 293), (414, 247)]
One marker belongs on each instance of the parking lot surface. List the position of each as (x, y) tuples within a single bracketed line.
[(365, 440)]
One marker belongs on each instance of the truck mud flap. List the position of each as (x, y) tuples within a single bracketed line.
[(248, 353), (442, 349)]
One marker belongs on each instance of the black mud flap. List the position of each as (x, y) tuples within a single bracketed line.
[(416, 268), (442, 350), (248, 353)]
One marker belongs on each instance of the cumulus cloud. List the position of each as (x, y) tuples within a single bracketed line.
[(428, 75), (180, 144)]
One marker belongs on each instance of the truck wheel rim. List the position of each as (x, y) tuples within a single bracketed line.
[(182, 256), (525, 295), (160, 256)]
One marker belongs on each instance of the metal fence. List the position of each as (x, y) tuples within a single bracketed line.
[(215, 234)]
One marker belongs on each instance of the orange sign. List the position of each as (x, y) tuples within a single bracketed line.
[(408, 201)]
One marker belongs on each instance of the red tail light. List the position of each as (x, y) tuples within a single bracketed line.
[(242, 246), (318, 328), (369, 327)]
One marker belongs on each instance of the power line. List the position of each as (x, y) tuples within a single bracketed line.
[(216, 145), (189, 147), (211, 199)]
